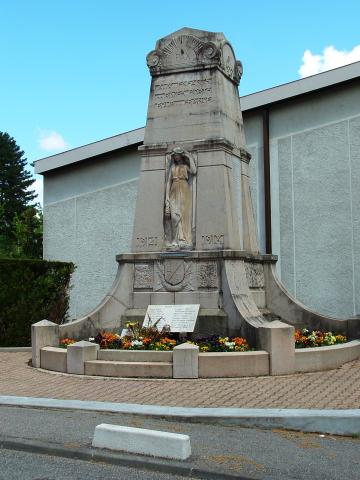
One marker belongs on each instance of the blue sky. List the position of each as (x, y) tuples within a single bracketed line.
[(73, 72)]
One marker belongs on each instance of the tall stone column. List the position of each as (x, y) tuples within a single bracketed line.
[(194, 190)]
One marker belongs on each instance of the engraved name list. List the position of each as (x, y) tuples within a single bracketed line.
[(186, 92)]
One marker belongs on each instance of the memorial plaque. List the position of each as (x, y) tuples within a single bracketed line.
[(180, 318)]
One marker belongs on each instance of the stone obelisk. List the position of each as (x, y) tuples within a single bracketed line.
[(194, 182)]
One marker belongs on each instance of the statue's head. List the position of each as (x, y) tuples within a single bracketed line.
[(178, 155)]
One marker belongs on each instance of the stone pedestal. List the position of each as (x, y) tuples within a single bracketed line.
[(277, 338), (78, 353), (228, 284), (186, 361), (43, 334)]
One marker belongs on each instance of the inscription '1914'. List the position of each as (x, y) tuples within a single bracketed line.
[(187, 92)]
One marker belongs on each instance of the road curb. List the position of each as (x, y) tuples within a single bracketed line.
[(106, 456), (335, 422)]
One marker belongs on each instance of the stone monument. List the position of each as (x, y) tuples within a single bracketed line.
[(194, 239)]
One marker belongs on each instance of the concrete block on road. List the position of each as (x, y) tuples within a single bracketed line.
[(78, 353), (142, 441)]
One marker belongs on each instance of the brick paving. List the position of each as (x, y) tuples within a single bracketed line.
[(339, 389)]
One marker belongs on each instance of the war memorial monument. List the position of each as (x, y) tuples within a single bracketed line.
[(194, 254)]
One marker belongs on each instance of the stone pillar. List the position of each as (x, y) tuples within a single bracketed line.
[(78, 353), (186, 361), (277, 338), (43, 334), (353, 328)]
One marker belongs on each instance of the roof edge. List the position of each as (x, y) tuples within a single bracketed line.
[(300, 86), (90, 150)]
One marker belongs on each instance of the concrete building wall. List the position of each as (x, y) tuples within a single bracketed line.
[(88, 219), (315, 167)]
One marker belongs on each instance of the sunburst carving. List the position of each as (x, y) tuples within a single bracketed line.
[(182, 50)]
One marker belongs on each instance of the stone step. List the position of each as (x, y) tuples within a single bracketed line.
[(134, 355), (128, 369)]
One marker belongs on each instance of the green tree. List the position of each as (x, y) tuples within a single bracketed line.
[(15, 181), (28, 233)]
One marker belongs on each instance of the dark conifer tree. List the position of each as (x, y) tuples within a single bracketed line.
[(15, 181)]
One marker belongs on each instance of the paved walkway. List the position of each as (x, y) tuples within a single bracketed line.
[(334, 389)]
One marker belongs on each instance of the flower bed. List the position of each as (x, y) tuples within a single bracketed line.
[(222, 344), (138, 337), (306, 339)]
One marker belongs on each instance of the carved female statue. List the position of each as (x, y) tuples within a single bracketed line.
[(179, 199)]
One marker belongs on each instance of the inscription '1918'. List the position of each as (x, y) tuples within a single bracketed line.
[(189, 92), (213, 239), (146, 242)]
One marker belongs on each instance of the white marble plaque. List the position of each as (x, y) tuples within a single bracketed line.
[(180, 318)]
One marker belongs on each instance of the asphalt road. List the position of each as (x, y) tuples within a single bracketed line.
[(250, 453), (17, 465)]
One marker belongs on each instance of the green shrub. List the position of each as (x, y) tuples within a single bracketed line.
[(31, 290)]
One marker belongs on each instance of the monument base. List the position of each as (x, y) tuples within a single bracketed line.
[(238, 292), (228, 285)]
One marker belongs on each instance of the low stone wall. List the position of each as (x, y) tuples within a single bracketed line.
[(129, 369), (134, 355), (185, 361), (326, 358), (53, 358), (233, 364)]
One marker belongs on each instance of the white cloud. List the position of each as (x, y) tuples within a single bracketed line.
[(329, 59), (50, 140)]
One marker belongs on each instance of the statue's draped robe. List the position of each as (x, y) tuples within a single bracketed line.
[(180, 204)]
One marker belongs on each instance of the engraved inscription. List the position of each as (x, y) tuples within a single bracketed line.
[(180, 318), (143, 277), (207, 275), (183, 85), (146, 242), (255, 275), (187, 92), (213, 239)]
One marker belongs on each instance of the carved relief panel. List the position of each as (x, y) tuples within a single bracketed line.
[(255, 275), (186, 51), (143, 276), (174, 275), (207, 274)]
